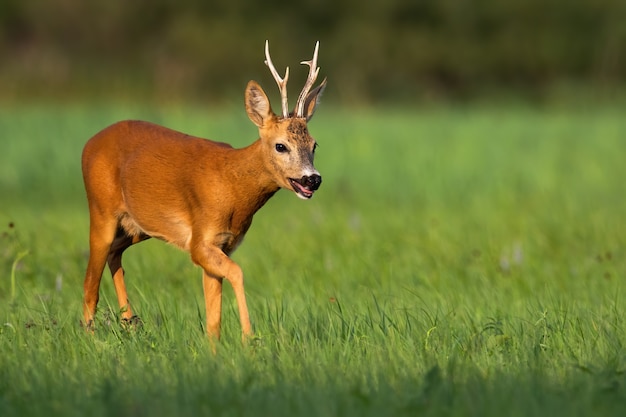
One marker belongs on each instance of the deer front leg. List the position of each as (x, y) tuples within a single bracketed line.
[(217, 265), (213, 304)]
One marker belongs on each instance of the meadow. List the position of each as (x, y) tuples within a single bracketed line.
[(455, 261)]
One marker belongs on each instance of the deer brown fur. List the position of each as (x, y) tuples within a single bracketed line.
[(143, 180)]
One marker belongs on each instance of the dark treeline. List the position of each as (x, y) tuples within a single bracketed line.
[(376, 50)]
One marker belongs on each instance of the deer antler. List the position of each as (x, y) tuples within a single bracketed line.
[(282, 83), (313, 71)]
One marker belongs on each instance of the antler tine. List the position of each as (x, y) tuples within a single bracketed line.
[(282, 83), (313, 71)]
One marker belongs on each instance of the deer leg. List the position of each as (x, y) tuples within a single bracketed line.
[(217, 265), (213, 304), (101, 235), (121, 242)]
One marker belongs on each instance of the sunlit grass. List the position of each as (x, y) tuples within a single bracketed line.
[(455, 261)]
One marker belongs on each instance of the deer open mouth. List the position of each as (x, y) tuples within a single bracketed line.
[(301, 190)]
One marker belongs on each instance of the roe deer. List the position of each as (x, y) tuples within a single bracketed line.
[(144, 180)]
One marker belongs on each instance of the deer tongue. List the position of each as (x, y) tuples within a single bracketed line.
[(300, 189)]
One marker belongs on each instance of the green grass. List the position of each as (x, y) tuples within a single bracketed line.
[(456, 261)]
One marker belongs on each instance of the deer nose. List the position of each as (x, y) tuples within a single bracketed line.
[(312, 182)]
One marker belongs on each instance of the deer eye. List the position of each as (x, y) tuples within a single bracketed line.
[(314, 146), (281, 148)]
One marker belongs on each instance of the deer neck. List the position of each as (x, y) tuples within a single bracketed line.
[(256, 183)]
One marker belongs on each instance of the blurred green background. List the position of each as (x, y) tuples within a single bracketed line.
[(378, 51), (466, 254)]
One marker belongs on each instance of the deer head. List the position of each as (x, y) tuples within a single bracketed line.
[(288, 148)]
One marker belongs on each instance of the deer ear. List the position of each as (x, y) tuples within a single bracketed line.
[(257, 104), (312, 100)]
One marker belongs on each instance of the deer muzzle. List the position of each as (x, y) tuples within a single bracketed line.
[(305, 186)]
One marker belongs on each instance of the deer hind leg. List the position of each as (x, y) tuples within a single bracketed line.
[(101, 236), (122, 242)]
